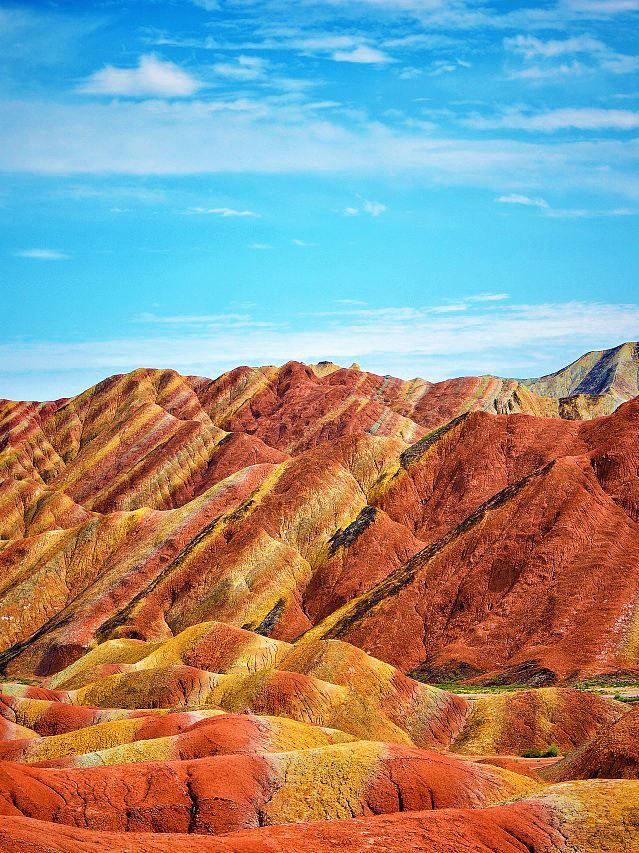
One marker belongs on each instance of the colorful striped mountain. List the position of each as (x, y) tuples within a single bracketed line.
[(310, 607)]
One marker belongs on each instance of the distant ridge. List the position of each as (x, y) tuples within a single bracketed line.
[(612, 372)]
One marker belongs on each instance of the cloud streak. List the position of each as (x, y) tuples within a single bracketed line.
[(196, 137), (43, 255), (408, 338), (224, 212), (362, 55), (567, 118), (527, 201)]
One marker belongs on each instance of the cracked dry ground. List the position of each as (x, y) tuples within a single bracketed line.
[(221, 603)]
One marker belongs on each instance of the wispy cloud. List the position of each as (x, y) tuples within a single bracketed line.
[(563, 213), (302, 243), (372, 208), (260, 247), (152, 77), (566, 57), (226, 321), (420, 341), (220, 211), (528, 201), (243, 68), (487, 297), (197, 137), (588, 213), (602, 7), (531, 47), (207, 5), (363, 55), (43, 254), (580, 118)]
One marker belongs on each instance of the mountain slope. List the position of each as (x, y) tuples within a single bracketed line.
[(612, 373), (194, 574), (271, 498)]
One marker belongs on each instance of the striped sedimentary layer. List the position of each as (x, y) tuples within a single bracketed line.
[(288, 500), (561, 819), (134, 745), (220, 731), (212, 591)]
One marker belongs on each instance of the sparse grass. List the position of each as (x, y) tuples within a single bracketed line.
[(457, 687), (551, 752), (605, 683)]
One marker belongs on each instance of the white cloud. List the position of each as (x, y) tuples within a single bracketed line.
[(302, 244), (372, 208), (260, 247), (595, 55), (538, 72), (408, 341), (531, 47), (43, 254), (580, 118), (153, 77), (220, 211), (269, 137), (225, 321), (585, 213), (487, 297), (207, 5), (244, 68), (362, 54), (515, 198), (602, 7), (563, 213)]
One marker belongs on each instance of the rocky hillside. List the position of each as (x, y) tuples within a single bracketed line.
[(221, 603), (604, 378), (407, 518)]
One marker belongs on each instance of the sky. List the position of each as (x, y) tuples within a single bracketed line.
[(426, 187)]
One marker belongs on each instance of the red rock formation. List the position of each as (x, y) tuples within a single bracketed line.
[(192, 572), (612, 754)]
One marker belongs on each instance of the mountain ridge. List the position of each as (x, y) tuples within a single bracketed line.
[(313, 487), (222, 600)]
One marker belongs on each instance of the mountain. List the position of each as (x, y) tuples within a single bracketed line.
[(406, 517), (228, 607), (612, 375)]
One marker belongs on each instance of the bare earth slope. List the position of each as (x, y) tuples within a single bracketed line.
[(601, 379), (220, 601), (408, 518)]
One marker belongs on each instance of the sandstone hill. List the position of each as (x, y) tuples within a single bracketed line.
[(228, 608)]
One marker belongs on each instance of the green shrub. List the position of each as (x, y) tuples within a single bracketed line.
[(551, 752)]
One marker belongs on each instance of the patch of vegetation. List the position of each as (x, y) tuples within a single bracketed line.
[(551, 752), (457, 687), (606, 683), (30, 681)]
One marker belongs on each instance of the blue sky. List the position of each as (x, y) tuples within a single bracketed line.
[(427, 187)]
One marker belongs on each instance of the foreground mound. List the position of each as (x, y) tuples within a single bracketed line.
[(612, 754), (565, 818), (323, 682), (534, 720), (231, 792)]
